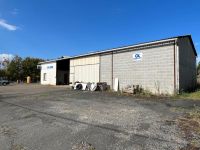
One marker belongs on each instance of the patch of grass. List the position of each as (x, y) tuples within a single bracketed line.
[(190, 95), (178, 109), (143, 94)]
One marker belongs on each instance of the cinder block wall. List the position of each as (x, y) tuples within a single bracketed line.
[(187, 65), (106, 69), (154, 72)]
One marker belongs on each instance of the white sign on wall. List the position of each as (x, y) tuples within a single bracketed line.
[(137, 56)]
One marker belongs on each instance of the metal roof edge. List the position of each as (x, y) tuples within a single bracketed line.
[(126, 47), (53, 60)]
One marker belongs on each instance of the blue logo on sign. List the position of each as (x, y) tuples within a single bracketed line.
[(137, 56)]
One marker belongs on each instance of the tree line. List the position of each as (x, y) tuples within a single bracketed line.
[(20, 68)]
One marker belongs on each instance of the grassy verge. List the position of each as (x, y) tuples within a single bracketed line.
[(190, 95)]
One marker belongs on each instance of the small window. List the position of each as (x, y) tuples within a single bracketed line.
[(44, 76)]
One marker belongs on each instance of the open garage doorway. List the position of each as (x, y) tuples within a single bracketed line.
[(62, 75)]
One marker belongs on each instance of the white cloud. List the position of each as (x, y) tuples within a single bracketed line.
[(7, 26)]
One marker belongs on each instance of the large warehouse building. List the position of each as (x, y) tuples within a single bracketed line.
[(164, 66)]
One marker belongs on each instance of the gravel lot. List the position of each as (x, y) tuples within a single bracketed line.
[(36, 117)]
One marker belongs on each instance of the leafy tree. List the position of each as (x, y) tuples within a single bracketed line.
[(19, 69), (2, 73), (29, 66), (14, 69)]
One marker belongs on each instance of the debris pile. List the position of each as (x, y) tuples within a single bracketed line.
[(132, 89), (100, 86)]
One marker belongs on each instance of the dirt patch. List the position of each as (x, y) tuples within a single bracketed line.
[(83, 146), (190, 147), (6, 130), (190, 126), (18, 147), (170, 122)]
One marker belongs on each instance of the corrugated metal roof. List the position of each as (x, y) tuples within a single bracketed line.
[(126, 47)]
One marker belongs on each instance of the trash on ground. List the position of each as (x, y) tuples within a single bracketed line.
[(99, 86), (93, 87), (132, 89)]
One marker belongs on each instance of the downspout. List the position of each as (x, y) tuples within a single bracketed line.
[(56, 72), (176, 67), (100, 68), (112, 70)]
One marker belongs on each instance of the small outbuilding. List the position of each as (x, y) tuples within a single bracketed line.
[(164, 66)]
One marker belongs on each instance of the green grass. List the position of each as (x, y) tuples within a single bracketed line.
[(190, 95)]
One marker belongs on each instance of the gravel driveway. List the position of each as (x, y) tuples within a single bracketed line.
[(36, 117)]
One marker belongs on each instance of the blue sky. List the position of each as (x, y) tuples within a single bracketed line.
[(52, 28)]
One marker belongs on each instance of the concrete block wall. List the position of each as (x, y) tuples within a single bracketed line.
[(106, 69), (154, 72), (187, 65)]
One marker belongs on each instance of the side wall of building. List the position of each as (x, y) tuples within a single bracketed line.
[(106, 69), (154, 71), (48, 74), (187, 65), (84, 69)]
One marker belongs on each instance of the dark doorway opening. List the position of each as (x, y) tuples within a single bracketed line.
[(62, 75)]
